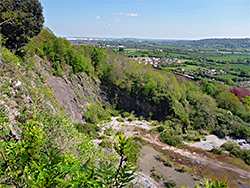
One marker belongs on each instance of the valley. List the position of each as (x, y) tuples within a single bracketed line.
[(120, 112)]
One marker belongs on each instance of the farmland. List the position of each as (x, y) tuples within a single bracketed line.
[(214, 61)]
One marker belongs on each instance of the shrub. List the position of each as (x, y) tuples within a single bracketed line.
[(155, 123), (218, 150), (131, 116), (165, 160), (168, 163), (182, 169), (236, 151), (158, 129), (97, 113), (106, 144), (170, 183), (230, 145), (242, 132), (125, 114), (172, 137), (157, 176), (206, 183), (87, 128), (140, 118), (109, 131)]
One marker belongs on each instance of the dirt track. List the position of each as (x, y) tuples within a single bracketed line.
[(186, 153)]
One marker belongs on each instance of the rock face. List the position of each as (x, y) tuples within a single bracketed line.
[(74, 93)]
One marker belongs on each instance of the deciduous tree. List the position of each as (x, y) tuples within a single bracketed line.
[(20, 20)]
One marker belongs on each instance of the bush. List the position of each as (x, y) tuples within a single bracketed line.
[(168, 163), (157, 176), (106, 144), (140, 118), (242, 132), (170, 183), (121, 120), (97, 113), (182, 169), (165, 160), (109, 131), (192, 136), (125, 114), (218, 150), (87, 128), (230, 145), (131, 116), (236, 151), (172, 137), (158, 129), (155, 123)]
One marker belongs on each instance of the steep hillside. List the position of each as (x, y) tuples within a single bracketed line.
[(39, 145), (73, 92)]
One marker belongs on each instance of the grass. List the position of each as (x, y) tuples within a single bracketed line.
[(191, 67), (241, 66), (227, 76)]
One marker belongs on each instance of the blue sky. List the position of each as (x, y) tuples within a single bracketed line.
[(158, 19)]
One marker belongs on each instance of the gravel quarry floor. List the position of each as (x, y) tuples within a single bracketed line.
[(212, 141), (147, 161)]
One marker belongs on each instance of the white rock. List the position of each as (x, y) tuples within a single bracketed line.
[(18, 84)]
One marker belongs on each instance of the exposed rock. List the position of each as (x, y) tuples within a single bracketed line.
[(74, 94), (18, 84)]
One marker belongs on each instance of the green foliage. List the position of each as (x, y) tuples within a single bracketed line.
[(97, 58), (33, 162), (172, 136), (165, 160), (235, 150), (206, 183), (106, 144), (242, 131), (228, 101), (109, 131), (218, 150), (88, 129), (209, 89), (125, 114), (157, 176), (121, 120), (131, 116), (59, 52), (125, 170), (3, 114), (96, 113), (25, 21), (182, 169), (246, 100), (171, 183)]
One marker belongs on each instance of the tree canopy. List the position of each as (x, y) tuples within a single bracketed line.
[(20, 20)]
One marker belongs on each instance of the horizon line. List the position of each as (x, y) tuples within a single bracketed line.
[(68, 37)]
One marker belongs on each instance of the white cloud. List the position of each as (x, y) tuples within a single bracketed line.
[(98, 17), (118, 13), (117, 20), (133, 14)]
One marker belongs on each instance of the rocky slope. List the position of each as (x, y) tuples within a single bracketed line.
[(28, 84)]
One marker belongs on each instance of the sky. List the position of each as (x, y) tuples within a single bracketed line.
[(149, 19)]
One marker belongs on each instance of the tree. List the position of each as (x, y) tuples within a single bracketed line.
[(97, 57), (209, 89), (228, 101), (20, 20)]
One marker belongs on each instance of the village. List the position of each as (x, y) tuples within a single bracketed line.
[(155, 61)]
